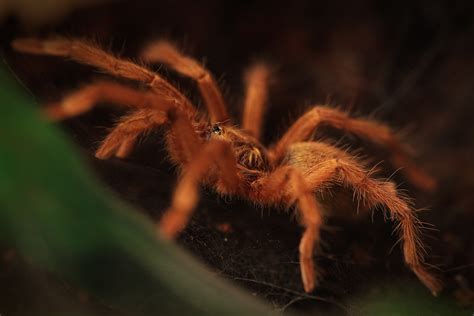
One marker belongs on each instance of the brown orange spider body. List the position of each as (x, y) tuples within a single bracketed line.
[(232, 160)]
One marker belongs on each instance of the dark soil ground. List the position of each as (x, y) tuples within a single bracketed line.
[(409, 65)]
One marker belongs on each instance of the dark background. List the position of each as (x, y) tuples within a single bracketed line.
[(409, 64)]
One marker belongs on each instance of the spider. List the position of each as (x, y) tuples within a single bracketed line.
[(210, 150)]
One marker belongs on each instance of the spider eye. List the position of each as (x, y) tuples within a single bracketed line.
[(216, 129)]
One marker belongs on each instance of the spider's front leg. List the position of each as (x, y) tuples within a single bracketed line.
[(289, 181), (88, 96), (374, 131), (88, 54), (121, 140), (151, 112), (183, 141), (165, 52), (185, 197)]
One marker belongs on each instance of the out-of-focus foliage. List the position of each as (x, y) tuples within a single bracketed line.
[(33, 12), (53, 211)]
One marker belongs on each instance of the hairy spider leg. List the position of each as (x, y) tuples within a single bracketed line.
[(89, 54), (289, 180), (374, 131), (167, 53), (124, 135), (152, 111), (256, 82), (216, 153), (183, 142), (90, 95), (374, 193)]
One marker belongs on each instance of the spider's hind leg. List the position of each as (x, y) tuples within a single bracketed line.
[(374, 192), (371, 130)]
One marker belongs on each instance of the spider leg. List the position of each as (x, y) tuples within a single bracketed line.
[(256, 80), (152, 112), (123, 137), (374, 131), (183, 142), (83, 99), (374, 192), (89, 54), (165, 52), (291, 181), (185, 196)]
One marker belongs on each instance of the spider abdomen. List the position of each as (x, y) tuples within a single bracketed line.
[(305, 155)]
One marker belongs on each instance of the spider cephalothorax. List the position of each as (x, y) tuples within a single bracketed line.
[(232, 160)]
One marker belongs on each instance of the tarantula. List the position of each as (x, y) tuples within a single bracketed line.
[(209, 149)]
